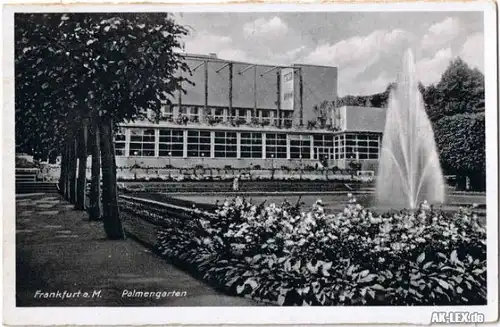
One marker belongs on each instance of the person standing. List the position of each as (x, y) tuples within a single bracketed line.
[(236, 183)]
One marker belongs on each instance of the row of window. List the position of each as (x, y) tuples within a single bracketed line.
[(218, 112), (199, 144)]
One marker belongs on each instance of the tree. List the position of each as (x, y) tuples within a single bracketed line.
[(460, 90), (95, 182), (122, 64), (45, 106), (82, 151), (378, 100), (460, 140)]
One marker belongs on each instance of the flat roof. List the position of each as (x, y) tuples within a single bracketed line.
[(364, 119), (208, 57)]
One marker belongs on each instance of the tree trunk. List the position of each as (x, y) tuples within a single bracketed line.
[(82, 167), (95, 186), (66, 171), (72, 172), (478, 181), (62, 177), (461, 181), (112, 223)]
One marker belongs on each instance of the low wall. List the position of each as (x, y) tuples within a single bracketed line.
[(244, 186), (145, 229), (242, 163)]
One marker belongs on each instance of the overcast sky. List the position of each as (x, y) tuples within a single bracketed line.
[(366, 47)]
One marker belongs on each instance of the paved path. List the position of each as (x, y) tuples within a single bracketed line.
[(59, 250)]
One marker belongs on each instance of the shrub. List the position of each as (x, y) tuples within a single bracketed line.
[(24, 163), (309, 168), (282, 255), (254, 121)]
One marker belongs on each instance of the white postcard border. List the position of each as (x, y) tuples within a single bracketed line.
[(245, 315)]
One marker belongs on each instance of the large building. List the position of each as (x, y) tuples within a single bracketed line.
[(242, 115)]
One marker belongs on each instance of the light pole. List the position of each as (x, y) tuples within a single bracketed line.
[(301, 167), (272, 166), (351, 167), (203, 159), (135, 165), (170, 160)]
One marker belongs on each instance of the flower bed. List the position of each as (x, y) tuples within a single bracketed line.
[(243, 177), (282, 255)]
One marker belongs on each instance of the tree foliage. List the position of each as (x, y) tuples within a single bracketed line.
[(462, 146), (106, 67), (378, 100), (460, 90), (66, 61)]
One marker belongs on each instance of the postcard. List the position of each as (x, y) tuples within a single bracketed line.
[(250, 164)]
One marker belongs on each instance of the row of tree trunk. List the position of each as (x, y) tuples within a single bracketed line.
[(95, 137)]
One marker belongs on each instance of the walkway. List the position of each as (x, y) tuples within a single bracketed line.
[(59, 250)]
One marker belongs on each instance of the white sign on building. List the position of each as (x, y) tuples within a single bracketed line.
[(287, 88)]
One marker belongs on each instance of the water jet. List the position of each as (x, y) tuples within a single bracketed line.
[(409, 170)]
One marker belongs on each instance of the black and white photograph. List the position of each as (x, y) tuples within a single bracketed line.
[(250, 164)]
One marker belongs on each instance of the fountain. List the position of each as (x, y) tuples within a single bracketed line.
[(409, 169)]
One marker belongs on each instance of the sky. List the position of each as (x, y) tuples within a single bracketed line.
[(366, 47)]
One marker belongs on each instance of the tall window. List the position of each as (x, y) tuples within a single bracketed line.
[(374, 146), (368, 146), (323, 146), (198, 144), (339, 146), (288, 118), (167, 112), (193, 113), (361, 146), (225, 144), (251, 145), (300, 146), (275, 145), (238, 113), (171, 143), (351, 150), (142, 142), (120, 143), (218, 113), (266, 116)]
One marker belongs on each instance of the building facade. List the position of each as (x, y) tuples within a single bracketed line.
[(243, 115)]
